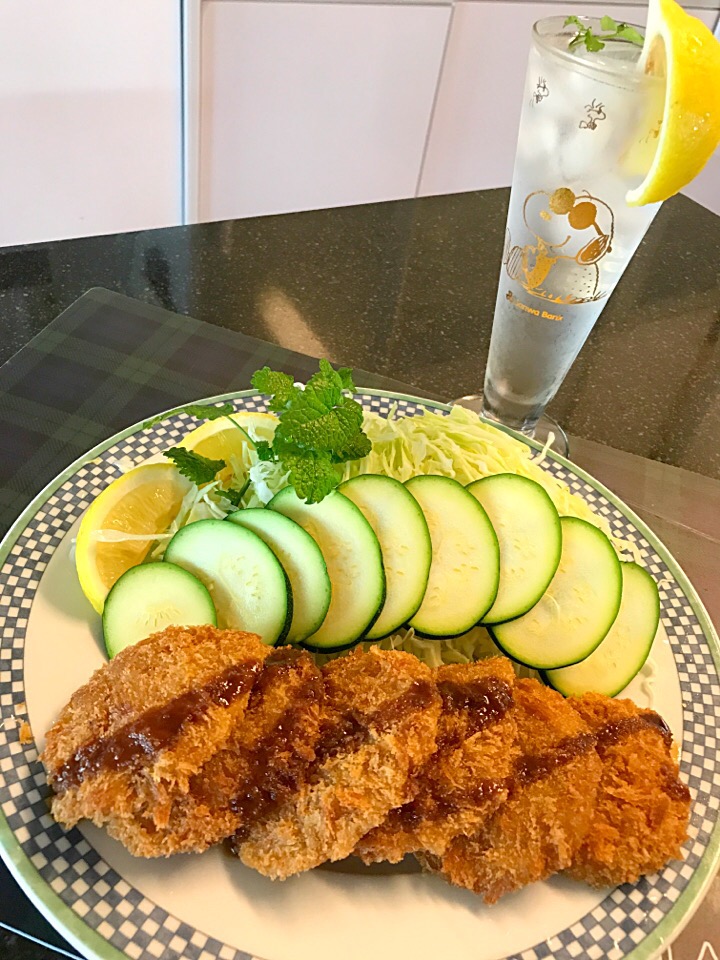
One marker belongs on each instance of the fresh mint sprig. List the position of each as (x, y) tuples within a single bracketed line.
[(319, 427), (613, 31)]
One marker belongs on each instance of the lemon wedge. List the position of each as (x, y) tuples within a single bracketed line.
[(220, 440), (145, 500), (681, 49)]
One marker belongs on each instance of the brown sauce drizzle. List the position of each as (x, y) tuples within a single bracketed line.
[(482, 702), (435, 804), (612, 733), (279, 771), (279, 761), (530, 769), (675, 788), (155, 729)]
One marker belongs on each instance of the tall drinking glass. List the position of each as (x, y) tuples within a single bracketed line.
[(588, 130)]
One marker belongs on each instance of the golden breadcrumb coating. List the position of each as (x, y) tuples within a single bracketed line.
[(466, 779), (197, 735), (381, 714), (545, 819), (642, 809), (135, 800)]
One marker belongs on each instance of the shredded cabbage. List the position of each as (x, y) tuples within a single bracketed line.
[(459, 445), (476, 644)]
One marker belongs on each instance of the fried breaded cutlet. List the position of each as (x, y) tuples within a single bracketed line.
[(196, 735), (540, 827), (641, 813), (128, 745), (379, 725), (467, 777), (265, 756)]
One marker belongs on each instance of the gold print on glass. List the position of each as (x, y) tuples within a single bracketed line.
[(571, 234)]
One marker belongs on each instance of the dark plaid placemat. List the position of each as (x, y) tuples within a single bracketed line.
[(102, 365), (107, 362)]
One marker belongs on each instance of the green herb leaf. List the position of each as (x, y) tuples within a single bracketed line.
[(207, 411), (345, 374), (357, 448), (280, 386), (201, 411), (594, 42), (320, 424), (233, 495), (196, 468), (319, 427), (626, 32), (312, 474), (264, 450)]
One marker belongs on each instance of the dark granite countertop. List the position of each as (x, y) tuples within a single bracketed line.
[(407, 289)]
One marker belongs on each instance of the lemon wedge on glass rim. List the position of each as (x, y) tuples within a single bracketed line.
[(683, 51), (142, 503)]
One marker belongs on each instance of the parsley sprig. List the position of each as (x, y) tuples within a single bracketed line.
[(319, 427), (194, 466), (613, 31), (200, 470)]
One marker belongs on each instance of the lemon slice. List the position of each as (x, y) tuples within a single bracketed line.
[(684, 51), (220, 440), (145, 500)]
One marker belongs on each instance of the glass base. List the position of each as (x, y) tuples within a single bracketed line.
[(543, 428)]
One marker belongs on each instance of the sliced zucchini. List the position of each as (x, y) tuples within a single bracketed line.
[(465, 567), (402, 531), (354, 564), (528, 531), (150, 597), (621, 655), (301, 560), (577, 609), (245, 579)]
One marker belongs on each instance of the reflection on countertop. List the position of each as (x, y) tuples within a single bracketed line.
[(407, 289)]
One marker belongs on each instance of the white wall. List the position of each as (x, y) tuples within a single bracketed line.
[(306, 105), (89, 117)]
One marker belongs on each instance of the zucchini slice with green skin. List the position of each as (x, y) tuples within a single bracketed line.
[(402, 531), (150, 597), (621, 655), (465, 567), (301, 560), (577, 609), (530, 537), (354, 564), (246, 580)]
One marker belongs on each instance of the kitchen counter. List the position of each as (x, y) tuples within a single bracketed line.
[(407, 289)]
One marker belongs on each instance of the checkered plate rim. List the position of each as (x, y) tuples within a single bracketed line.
[(104, 917)]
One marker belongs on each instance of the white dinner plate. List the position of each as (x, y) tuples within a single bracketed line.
[(210, 907)]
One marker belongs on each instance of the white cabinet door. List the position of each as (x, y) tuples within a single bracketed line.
[(475, 122), (90, 110), (307, 105)]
